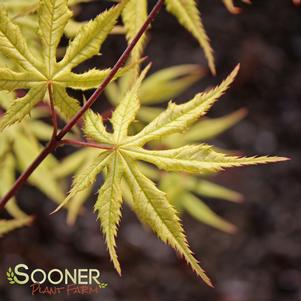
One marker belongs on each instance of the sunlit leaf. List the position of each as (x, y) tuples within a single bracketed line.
[(120, 164)]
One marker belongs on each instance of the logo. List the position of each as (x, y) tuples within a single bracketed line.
[(57, 281), (11, 276)]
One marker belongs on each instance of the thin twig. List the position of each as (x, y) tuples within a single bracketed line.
[(55, 141)]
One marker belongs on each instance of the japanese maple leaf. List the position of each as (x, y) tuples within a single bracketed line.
[(39, 73), (119, 164)]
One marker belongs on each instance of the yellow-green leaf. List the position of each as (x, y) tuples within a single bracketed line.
[(11, 80), (67, 105), (95, 129), (121, 165), (200, 159), (13, 44), (90, 79), (179, 117), (87, 177), (26, 151), (8, 178), (90, 37), (21, 107), (36, 70), (169, 83), (200, 211), (125, 113), (53, 18), (210, 128), (152, 207), (187, 13), (71, 163), (134, 15), (212, 190), (108, 206)]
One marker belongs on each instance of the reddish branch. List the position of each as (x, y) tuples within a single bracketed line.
[(57, 138)]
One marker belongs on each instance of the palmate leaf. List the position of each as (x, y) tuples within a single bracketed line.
[(37, 74), (120, 163), (25, 14), (157, 88), (160, 86)]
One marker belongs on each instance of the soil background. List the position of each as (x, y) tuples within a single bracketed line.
[(262, 261)]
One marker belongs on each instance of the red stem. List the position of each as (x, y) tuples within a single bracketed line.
[(56, 140)]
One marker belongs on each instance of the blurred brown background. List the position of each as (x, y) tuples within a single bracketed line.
[(262, 261)]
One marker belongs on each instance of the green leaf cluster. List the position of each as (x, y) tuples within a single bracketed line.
[(156, 89), (20, 145), (41, 74), (25, 14), (132, 151), (124, 178), (23, 66), (187, 14)]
